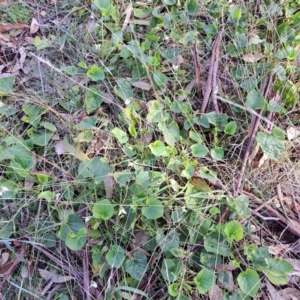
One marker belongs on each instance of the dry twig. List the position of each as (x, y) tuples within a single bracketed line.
[(197, 71), (215, 53)]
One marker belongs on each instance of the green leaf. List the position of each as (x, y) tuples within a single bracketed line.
[(217, 153), (173, 289), (208, 174), (115, 256), (255, 100), (156, 112), (6, 85), (73, 223), (286, 33), (93, 100), (76, 241), (138, 267), (277, 270), (120, 135), (258, 257), (87, 123), (123, 177), (170, 269), (215, 243), (171, 132), (154, 209), (7, 110), (169, 2), (160, 80), (171, 54), (239, 205), (105, 7), (103, 210), (167, 242), (191, 7), (210, 260), (95, 73), (271, 144), (46, 195), (157, 148), (249, 282), (218, 120), (280, 72), (70, 70), (233, 51), (237, 13), (33, 113), (230, 128), (41, 44), (199, 150), (274, 106), (249, 84), (196, 136), (18, 154), (82, 65), (205, 280), (48, 126), (124, 90), (234, 230), (40, 137), (95, 169)]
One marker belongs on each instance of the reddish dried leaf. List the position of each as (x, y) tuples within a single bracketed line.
[(8, 27)]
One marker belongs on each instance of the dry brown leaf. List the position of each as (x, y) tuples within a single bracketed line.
[(109, 184), (274, 295), (55, 278), (215, 293), (8, 27), (142, 85), (28, 184), (107, 98), (4, 258), (4, 37), (292, 133), (278, 249), (59, 148), (128, 12), (72, 150), (289, 294), (34, 26), (140, 238), (24, 272), (253, 57)]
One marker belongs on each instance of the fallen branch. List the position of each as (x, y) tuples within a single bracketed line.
[(216, 48), (291, 225)]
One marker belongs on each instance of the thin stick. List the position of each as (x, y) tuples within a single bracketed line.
[(246, 155), (214, 75), (265, 91), (209, 78), (292, 225), (86, 282), (197, 72), (10, 270), (67, 268), (251, 111)]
